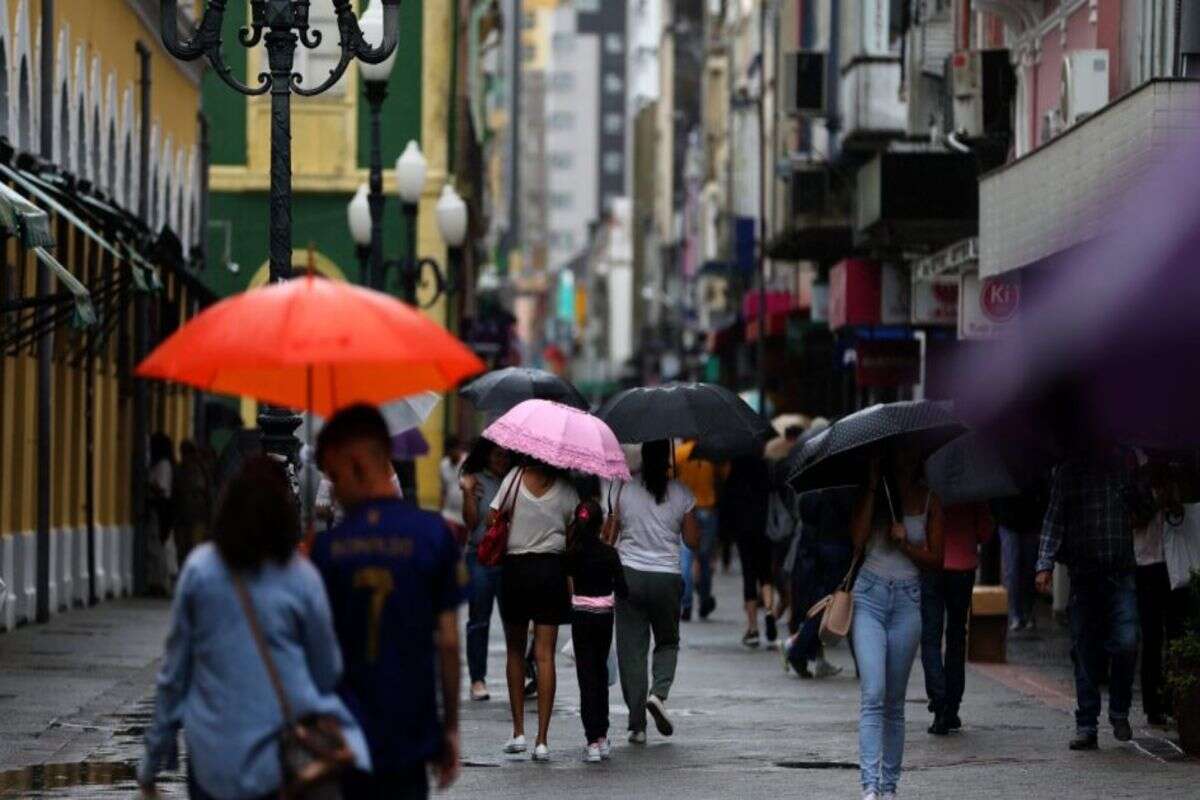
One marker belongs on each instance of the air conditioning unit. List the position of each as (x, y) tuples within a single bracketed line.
[(804, 83), (979, 93), (1084, 85)]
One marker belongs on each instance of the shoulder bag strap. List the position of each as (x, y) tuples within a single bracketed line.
[(260, 644), (514, 491)]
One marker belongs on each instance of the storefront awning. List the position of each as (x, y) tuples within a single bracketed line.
[(24, 220), (85, 313)]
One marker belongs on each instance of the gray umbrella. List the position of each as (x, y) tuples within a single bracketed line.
[(721, 423), (836, 456), (502, 389), (968, 470)]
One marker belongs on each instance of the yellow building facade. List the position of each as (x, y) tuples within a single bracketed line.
[(91, 188)]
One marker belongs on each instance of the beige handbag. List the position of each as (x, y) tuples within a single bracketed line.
[(837, 609)]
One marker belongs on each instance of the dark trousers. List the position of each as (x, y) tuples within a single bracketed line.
[(1104, 625), (820, 568), (485, 589), (945, 609), (405, 783), (1161, 612), (591, 636), (1020, 568)]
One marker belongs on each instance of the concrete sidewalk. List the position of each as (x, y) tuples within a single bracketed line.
[(76, 693)]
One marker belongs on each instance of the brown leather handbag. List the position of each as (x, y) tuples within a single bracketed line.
[(312, 751), (610, 531)]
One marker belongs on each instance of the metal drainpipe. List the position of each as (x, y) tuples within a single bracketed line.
[(141, 400), (45, 345), (762, 209)]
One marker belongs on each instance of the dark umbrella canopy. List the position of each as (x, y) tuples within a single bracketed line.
[(836, 455), (504, 389), (969, 470), (409, 445), (720, 421)]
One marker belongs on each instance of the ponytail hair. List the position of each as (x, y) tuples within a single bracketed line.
[(585, 525), (656, 468)]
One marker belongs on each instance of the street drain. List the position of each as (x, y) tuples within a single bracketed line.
[(816, 764), (1159, 748)]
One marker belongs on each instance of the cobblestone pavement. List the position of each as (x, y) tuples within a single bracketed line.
[(75, 695)]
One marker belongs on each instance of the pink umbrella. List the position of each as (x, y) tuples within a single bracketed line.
[(562, 437)]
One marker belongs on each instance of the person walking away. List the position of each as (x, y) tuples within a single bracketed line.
[(597, 580), (657, 518), (1088, 530), (1019, 520), (482, 470), (162, 556), (897, 524), (452, 494), (395, 579), (533, 587), (213, 681), (822, 562), (701, 478), (946, 609), (193, 499), (746, 494)]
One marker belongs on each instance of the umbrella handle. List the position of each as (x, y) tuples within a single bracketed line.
[(891, 506)]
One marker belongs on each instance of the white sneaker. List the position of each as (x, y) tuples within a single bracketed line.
[(658, 710), (637, 737), (605, 748), (591, 754), (823, 669), (870, 795), (541, 753), (516, 745)]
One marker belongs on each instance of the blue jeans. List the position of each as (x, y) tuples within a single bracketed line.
[(820, 567), (1104, 625), (1018, 552), (886, 632), (945, 608), (485, 589), (707, 520)]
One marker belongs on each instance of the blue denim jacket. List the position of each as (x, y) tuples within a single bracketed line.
[(213, 682)]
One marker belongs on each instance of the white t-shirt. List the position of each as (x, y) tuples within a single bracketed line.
[(452, 496), (161, 475), (651, 532), (539, 524)]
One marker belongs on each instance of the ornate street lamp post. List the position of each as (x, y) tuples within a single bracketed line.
[(375, 80), (281, 24), (452, 220)]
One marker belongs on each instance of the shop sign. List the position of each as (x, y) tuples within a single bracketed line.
[(935, 302), (989, 306), (854, 293), (886, 363)]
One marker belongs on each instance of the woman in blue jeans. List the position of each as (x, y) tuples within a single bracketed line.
[(484, 468), (897, 527)]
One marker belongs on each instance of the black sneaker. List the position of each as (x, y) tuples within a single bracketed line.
[(531, 688), (707, 606), (939, 726), (772, 629), (750, 639), (686, 615), (1084, 741), (953, 722), (1122, 730)]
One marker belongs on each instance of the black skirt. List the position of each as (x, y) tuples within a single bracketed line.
[(533, 588)]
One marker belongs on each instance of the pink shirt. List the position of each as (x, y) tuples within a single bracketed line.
[(964, 527)]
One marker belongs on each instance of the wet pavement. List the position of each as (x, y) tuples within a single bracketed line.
[(75, 696)]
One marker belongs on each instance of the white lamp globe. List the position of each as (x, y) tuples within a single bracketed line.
[(410, 173), (371, 24), (452, 217), (358, 213)]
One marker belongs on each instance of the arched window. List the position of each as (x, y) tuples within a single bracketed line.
[(110, 180), (64, 125), (24, 107), (152, 214), (94, 159), (81, 150), (127, 197)]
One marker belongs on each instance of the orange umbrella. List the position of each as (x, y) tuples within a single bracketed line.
[(313, 344)]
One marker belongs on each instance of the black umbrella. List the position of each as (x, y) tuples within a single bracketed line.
[(969, 470), (502, 389), (720, 421), (835, 456)]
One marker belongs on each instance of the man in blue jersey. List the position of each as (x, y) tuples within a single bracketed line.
[(395, 580)]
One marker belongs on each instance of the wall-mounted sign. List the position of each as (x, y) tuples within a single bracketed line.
[(988, 307), (935, 302), (887, 363)]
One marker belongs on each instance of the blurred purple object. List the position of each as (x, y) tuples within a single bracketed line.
[(409, 445), (1108, 342)]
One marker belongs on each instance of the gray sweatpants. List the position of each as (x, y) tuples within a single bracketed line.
[(651, 608)]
